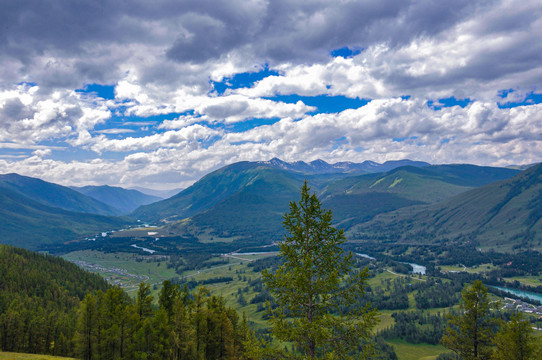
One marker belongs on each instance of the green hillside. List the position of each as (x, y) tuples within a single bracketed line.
[(206, 192), (54, 195), (123, 200), (247, 200), (429, 184), (255, 210), (211, 190), (39, 296), (30, 224), (501, 215)]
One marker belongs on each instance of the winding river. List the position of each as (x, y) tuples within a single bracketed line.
[(416, 268), (521, 293)]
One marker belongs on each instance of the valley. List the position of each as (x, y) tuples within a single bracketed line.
[(221, 232)]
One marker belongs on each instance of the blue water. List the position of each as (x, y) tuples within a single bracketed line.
[(416, 269), (366, 256), (525, 294)]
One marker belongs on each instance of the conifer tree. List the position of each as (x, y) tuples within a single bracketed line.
[(86, 327), (144, 301), (183, 334), (515, 341), (316, 289), (469, 334)]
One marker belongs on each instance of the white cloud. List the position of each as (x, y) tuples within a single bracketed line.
[(115, 131), (162, 59), (190, 136), (41, 153), (27, 116)]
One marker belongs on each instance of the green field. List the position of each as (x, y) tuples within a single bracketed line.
[(472, 270), (526, 280), (242, 275), (127, 270), (19, 356), (407, 351)]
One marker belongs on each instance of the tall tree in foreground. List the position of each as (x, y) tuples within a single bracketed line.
[(316, 288), (469, 334), (515, 341)]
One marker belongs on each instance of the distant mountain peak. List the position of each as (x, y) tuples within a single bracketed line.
[(320, 166)]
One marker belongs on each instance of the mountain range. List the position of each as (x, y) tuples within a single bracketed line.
[(248, 199), (503, 215), (322, 167), (35, 213), (403, 200)]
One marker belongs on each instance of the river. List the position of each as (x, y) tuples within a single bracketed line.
[(144, 249), (521, 293), (416, 269)]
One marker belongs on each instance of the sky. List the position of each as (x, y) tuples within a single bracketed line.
[(158, 93)]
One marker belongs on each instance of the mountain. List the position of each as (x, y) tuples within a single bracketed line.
[(207, 192), (248, 199), (222, 183), (501, 215), (254, 211), (322, 167), (121, 199), (31, 224), (54, 195), (358, 198), (163, 194), (428, 184)]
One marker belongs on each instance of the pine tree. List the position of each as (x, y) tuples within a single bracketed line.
[(86, 327), (144, 301), (515, 341), (315, 288), (167, 296), (183, 333), (469, 334)]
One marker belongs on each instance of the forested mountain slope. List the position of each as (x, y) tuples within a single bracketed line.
[(247, 200), (39, 296), (30, 224), (54, 195), (501, 215), (123, 200)]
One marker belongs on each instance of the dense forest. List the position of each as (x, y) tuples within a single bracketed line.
[(39, 297), (111, 325), (50, 306)]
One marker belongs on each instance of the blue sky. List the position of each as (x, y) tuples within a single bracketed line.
[(159, 94)]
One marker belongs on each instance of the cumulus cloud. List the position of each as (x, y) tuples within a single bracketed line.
[(29, 116), (168, 123)]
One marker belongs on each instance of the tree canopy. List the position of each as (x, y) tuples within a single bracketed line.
[(316, 288), (470, 333)]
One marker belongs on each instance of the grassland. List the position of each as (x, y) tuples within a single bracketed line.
[(127, 270), (472, 270), (19, 356), (527, 280), (407, 351)]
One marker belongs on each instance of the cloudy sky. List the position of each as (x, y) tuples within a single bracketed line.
[(158, 93)]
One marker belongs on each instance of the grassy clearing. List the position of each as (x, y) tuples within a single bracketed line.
[(407, 351), (527, 280), (140, 232), (242, 275), (19, 356), (127, 270), (385, 319)]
